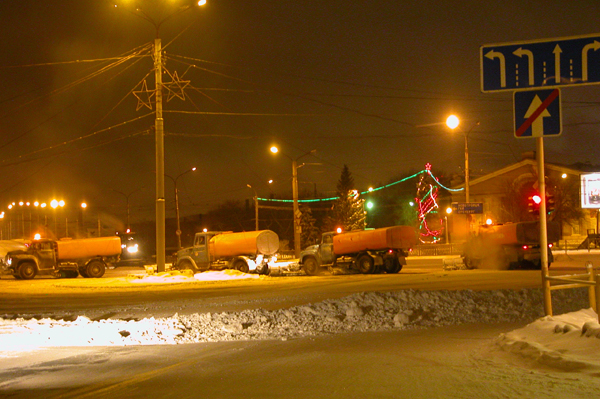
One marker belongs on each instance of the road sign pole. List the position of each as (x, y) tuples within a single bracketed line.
[(543, 229)]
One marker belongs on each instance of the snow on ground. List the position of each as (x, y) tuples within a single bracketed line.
[(568, 341)]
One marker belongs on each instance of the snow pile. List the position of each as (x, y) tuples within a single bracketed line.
[(183, 276), (568, 342), (375, 311)]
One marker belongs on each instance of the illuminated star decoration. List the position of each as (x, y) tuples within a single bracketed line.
[(144, 96), (426, 200), (176, 86)]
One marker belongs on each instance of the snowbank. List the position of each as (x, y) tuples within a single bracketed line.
[(565, 341)]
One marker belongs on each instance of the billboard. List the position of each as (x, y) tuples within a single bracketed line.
[(590, 191)]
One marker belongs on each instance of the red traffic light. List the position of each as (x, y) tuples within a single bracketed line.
[(537, 199)]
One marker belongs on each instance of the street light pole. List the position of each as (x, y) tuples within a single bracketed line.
[(297, 214), (255, 206), (178, 232), (159, 137), (452, 122)]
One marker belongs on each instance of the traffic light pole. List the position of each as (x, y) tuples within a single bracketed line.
[(543, 224)]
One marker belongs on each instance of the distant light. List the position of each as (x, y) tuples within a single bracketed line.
[(449, 210), (274, 150), (369, 205), (194, 169), (452, 122), (411, 203), (339, 230), (27, 203), (10, 206), (489, 222), (133, 249), (54, 203), (564, 176), (201, 2), (271, 181), (370, 189), (37, 236), (20, 203), (83, 205), (205, 230), (43, 205), (36, 203), (61, 203)]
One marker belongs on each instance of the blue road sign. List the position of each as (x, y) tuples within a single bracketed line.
[(537, 113), (467, 208), (526, 65)]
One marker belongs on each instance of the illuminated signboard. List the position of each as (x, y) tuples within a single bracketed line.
[(590, 191)]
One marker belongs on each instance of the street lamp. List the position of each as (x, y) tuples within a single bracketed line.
[(178, 232), (452, 122), (127, 199), (297, 214), (255, 205), (160, 134)]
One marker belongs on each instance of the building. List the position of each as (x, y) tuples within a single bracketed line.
[(504, 194)]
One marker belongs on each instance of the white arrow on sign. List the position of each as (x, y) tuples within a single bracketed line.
[(584, 58), (521, 52), (494, 54), (537, 126), (557, 51)]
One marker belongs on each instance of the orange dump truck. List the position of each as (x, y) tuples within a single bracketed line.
[(70, 258), (509, 246), (249, 251), (368, 251)]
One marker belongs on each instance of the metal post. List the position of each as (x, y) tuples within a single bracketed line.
[(592, 291), (543, 229), (297, 227), (178, 232), (160, 159), (467, 168), (256, 210)]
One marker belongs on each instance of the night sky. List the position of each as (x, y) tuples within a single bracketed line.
[(366, 84)]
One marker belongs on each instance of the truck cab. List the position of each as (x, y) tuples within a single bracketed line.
[(40, 257), (196, 257), (319, 254)]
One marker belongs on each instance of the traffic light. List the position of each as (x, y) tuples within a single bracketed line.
[(550, 204), (533, 204)]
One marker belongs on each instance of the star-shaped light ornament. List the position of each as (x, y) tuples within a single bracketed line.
[(144, 96), (176, 86)]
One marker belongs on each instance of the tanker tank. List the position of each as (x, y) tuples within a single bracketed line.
[(265, 242), (88, 247), (395, 237)]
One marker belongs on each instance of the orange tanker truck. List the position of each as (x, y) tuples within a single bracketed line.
[(367, 251), (69, 258), (250, 251), (509, 246)]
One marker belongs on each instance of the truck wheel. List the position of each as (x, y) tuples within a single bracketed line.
[(241, 265), (392, 266), (365, 264), (311, 267), (95, 269), (186, 265), (27, 270)]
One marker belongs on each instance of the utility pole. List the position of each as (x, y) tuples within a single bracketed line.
[(160, 159)]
